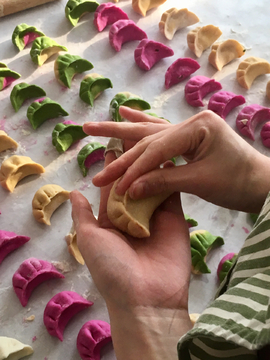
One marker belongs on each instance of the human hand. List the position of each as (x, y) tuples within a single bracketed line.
[(143, 281), (221, 167)]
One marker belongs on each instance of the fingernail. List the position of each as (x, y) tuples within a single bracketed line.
[(136, 191)]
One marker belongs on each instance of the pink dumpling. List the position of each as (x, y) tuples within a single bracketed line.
[(92, 337), (265, 134), (180, 70), (30, 37), (7, 81), (31, 273), (223, 102), (123, 31), (60, 309), (108, 13), (198, 87), (149, 52), (249, 117), (9, 241)]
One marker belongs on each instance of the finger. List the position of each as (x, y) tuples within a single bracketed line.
[(183, 178), (124, 130), (139, 116)]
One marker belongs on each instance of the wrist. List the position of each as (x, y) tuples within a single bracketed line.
[(148, 333)]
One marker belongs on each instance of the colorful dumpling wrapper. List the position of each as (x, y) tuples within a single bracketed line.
[(149, 52), (65, 134), (129, 100), (180, 70), (75, 9), (107, 14), (40, 111), (24, 91), (13, 349), (123, 31), (6, 142), (71, 240), (265, 134), (142, 6), (249, 117), (92, 86), (175, 19), (7, 77), (60, 309), (225, 265), (198, 87), (43, 48), (3, 65), (92, 337), (31, 273), (249, 69), (46, 200), (202, 242), (90, 154), (24, 34), (223, 102), (191, 222), (16, 168), (223, 53), (201, 38), (10, 241), (66, 66)]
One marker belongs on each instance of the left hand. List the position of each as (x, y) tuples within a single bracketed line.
[(139, 278)]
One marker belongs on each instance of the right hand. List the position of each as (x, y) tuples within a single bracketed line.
[(221, 167)]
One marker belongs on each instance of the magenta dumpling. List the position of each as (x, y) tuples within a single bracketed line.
[(123, 31), (92, 337), (31, 273), (198, 87), (249, 117), (180, 70), (60, 309), (9, 241), (223, 102), (149, 52), (265, 134), (107, 14)]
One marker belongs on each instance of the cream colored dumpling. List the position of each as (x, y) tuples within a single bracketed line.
[(223, 53), (194, 317), (142, 6), (12, 349), (175, 19), (132, 216), (46, 200), (6, 142), (202, 38), (71, 239), (249, 69), (15, 168)]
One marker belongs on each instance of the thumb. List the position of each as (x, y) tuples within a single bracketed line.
[(82, 215), (181, 178)]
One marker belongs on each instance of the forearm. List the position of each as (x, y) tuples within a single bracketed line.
[(148, 333)]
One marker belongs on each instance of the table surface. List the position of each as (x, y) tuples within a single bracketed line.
[(246, 21)]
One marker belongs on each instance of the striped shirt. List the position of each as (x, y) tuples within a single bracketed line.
[(237, 323)]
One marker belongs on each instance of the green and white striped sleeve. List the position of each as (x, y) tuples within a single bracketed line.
[(237, 323)]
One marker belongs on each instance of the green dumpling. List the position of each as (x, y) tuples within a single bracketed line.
[(75, 9), (42, 110), (201, 242), (23, 34), (65, 134), (2, 65), (22, 92), (66, 66), (90, 154), (191, 222), (43, 48), (92, 86), (126, 99)]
